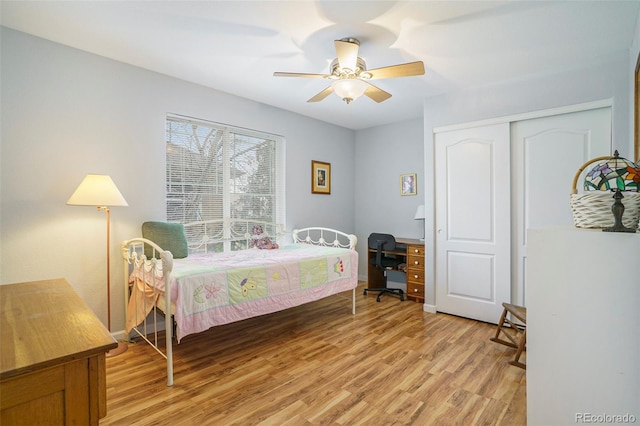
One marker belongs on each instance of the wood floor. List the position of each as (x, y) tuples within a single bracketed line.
[(316, 364)]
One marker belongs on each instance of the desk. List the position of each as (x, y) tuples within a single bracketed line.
[(412, 250), (52, 369)]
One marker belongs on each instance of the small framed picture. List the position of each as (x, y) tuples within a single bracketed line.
[(320, 177), (408, 184)]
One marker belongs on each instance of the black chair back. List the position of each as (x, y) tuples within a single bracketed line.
[(386, 241), (381, 242)]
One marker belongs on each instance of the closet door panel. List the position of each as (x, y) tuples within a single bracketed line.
[(473, 221), (548, 151), (469, 178)]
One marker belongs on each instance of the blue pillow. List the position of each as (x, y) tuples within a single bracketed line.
[(169, 236)]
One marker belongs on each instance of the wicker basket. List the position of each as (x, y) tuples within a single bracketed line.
[(593, 209)]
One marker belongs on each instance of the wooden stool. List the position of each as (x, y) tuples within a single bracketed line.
[(516, 333)]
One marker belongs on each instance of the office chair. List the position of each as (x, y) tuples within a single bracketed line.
[(384, 242)]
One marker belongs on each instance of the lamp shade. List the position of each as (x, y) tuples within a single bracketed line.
[(349, 89), (97, 190), (613, 173), (419, 212)]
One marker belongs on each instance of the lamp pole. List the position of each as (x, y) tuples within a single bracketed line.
[(108, 212)]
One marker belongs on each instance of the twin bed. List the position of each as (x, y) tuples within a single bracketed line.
[(210, 289)]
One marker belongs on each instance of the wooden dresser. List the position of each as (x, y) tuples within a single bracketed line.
[(52, 365), (415, 271)]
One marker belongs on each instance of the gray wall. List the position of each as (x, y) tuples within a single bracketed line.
[(66, 113), (382, 155)]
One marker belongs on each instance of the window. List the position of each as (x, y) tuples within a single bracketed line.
[(221, 180)]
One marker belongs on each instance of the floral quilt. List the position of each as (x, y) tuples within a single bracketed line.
[(219, 288)]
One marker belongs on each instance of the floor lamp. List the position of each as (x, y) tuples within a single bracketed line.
[(100, 191)]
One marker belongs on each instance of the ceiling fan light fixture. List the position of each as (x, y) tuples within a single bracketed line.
[(360, 70), (349, 89), (349, 76)]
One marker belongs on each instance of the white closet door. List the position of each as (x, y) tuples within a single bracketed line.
[(547, 153), (473, 274)]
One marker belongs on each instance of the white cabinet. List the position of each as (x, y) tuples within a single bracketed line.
[(583, 326)]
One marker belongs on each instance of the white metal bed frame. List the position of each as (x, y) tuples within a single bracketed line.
[(160, 266)]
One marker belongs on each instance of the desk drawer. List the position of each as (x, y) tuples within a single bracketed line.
[(416, 250), (415, 290), (416, 262), (415, 276)]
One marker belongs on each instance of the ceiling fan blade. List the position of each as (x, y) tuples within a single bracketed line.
[(401, 70), (320, 96), (347, 53), (376, 93), (299, 74)]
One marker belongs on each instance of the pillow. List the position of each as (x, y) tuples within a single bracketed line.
[(169, 236)]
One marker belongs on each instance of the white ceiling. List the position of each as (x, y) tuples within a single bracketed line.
[(235, 46)]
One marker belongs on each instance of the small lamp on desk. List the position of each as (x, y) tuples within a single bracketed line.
[(101, 192), (420, 216)]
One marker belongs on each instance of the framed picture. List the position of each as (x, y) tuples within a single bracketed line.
[(320, 177), (408, 184)]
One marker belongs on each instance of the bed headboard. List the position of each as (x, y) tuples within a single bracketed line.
[(324, 237), (204, 233)]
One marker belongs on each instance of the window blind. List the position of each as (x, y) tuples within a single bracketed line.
[(217, 172)]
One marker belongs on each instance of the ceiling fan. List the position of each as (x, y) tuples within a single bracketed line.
[(350, 77)]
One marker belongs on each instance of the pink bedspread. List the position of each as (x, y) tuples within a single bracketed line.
[(220, 288)]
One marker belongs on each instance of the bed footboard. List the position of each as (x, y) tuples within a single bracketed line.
[(320, 236), (156, 269), (325, 237)]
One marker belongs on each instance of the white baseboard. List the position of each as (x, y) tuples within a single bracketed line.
[(429, 308), (119, 335)]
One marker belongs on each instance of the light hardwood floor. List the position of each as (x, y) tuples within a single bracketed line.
[(316, 364)]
